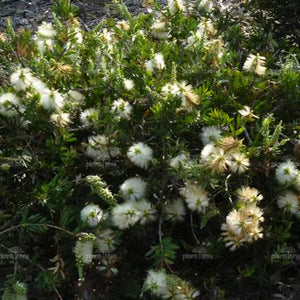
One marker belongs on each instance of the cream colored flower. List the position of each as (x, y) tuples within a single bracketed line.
[(255, 64), (248, 195), (195, 196), (247, 114), (239, 163), (133, 188), (140, 154), (290, 202), (286, 172), (92, 214), (210, 134)]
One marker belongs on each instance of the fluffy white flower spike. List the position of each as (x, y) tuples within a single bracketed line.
[(179, 161), (255, 64), (9, 104), (175, 210), (84, 248), (195, 196), (156, 282), (242, 226), (286, 172), (122, 108), (91, 214), (106, 241), (249, 195), (46, 31), (52, 100), (247, 113), (140, 154), (133, 188), (156, 63), (210, 134), (125, 215), (290, 202), (21, 79), (88, 116), (128, 84), (175, 6), (148, 213), (239, 163), (99, 148)]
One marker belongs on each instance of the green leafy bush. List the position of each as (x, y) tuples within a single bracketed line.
[(154, 156)]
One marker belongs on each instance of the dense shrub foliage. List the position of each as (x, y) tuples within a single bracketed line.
[(153, 157)]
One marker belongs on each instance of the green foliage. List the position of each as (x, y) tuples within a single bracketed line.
[(65, 9), (173, 125), (163, 253)]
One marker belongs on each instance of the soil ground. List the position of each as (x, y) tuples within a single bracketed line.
[(30, 13)]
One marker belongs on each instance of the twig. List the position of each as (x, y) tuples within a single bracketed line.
[(226, 187), (193, 232), (28, 224), (247, 135)]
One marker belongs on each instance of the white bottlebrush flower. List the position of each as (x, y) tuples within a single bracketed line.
[(207, 151), (159, 61), (218, 161), (175, 6), (170, 89), (255, 64), (75, 97), (99, 148), (84, 251), (150, 65), (133, 188), (182, 90), (188, 97), (91, 214), (148, 213), (286, 172), (88, 116), (140, 154), (125, 215), (247, 114), (128, 84), (60, 119), (39, 86), (46, 31), (175, 210), (156, 282), (248, 195), (52, 100), (9, 104), (159, 29), (195, 196), (207, 5), (289, 201), (122, 108), (124, 25), (106, 241), (43, 44), (210, 134), (178, 161), (242, 226), (21, 79), (255, 213), (75, 38), (239, 163)]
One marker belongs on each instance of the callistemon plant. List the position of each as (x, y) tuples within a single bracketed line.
[(150, 156)]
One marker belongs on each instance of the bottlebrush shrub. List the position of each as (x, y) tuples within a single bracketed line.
[(148, 157)]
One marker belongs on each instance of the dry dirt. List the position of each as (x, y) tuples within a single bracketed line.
[(30, 13)]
